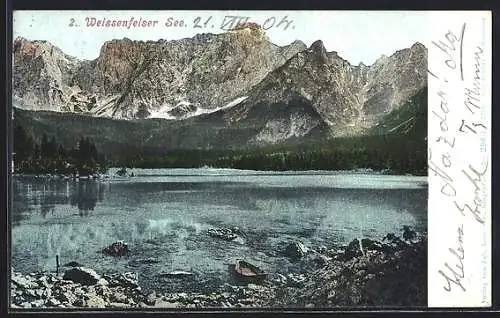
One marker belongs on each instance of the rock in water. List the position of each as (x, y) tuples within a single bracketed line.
[(322, 249), (223, 233), (128, 279), (73, 264), (118, 248), (408, 233), (352, 250), (177, 274), (296, 250), (371, 245), (82, 275)]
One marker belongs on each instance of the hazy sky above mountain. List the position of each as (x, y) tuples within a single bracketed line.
[(358, 36)]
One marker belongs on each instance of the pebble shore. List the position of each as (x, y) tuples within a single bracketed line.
[(364, 273)]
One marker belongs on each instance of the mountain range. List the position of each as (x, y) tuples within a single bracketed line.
[(215, 91)]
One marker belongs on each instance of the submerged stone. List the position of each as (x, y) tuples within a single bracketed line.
[(82, 275)]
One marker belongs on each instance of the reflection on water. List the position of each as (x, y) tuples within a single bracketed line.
[(86, 196), (168, 218), (32, 196)]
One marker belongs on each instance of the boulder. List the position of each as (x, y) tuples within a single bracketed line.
[(43, 282), (177, 274), (320, 259), (52, 302), (393, 242), (296, 250), (119, 297), (82, 275), (79, 302), (37, 303), (94, 301), (151, 299), (371, 245), (66, 296), (72, 264), (118, 248), (295, 280), (26, 305), (352, 250), (222, 233), (281, 278), (322, 249), (236, 230), (22, 282), (128, 279), (238, 240), (409, 234)]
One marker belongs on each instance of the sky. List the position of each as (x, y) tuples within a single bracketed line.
[(357, 36)]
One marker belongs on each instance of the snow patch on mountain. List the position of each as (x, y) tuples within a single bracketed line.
[(186, 109), (163, 111), (201, 111)]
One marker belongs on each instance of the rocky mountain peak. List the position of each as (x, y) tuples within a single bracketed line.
[(137, 79), (417, 46), (239, 77), (115, 45), (318, 46), (249, 28), (299, 43), (319, 52), (381, 60), (32, 49)]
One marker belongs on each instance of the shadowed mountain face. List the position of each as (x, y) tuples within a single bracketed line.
[(235, 89)]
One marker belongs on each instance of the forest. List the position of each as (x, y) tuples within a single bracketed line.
[(49, 157), (392, 154)]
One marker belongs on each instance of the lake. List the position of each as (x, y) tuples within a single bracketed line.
[(165, 214)]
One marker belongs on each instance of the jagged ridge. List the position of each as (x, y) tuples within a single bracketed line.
[(237, 82), (135, 79)]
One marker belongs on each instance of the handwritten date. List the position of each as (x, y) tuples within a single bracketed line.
[(229, 22)]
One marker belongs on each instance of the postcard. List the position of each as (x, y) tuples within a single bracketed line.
[(241, 160)]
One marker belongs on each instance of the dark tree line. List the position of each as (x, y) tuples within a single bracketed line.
[(394, 154), (48, 156), (399, 153)]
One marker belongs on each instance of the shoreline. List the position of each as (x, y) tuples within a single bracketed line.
[(390, 272), (105, 176)]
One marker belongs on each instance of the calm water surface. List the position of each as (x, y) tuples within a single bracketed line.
[(165, 214)]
